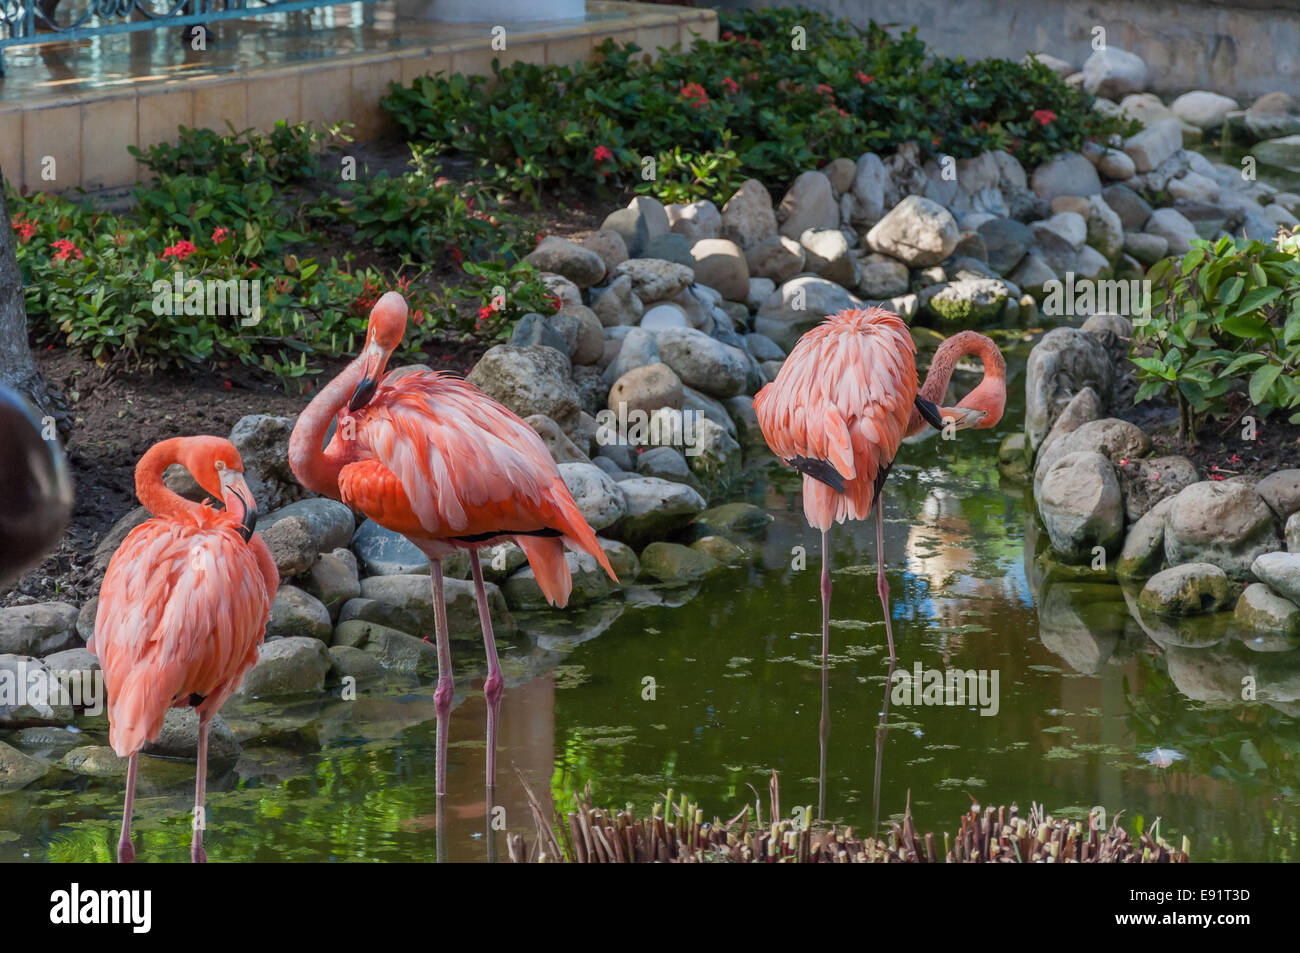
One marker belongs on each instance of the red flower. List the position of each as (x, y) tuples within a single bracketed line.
[(695, 93), (24, 226), (825, 90), (864, 77), (180, 251), (601, 154), (220, 234), (418, 316), (730, 85), (1044, 117), (66, 250), (457, 256)]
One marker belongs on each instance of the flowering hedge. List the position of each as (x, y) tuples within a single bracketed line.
[(758, 103), (228, 226)]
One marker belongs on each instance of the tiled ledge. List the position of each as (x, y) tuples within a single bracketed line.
[(87, 128)]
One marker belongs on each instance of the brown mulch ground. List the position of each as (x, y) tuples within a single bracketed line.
[(1220, 445)]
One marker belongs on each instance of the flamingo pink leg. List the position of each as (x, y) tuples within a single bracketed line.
[(882, 586), (442, 696), (125, 849), (492, 688), (197, 854), (824, 729)]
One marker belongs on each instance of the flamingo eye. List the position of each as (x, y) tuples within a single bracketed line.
[(221, 465)]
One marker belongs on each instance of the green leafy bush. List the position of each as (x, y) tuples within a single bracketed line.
[(494, 297), (290, 152), (423, 215), (749, 105), (1224, 329)]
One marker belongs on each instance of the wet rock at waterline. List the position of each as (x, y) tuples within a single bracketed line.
[(1188, 589), (1064, 362), (298, 613), (17, 770), (741, 521), (348, 661), (179, 738), (29, 710), (1080, 505), (1260, 609), (391, 649), (1220, 522), (655, 508), (1281, 571), (405, 603), (674, 564), (590, 583), (290, 666)]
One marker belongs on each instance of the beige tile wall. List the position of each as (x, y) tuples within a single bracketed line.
[(87, 136)]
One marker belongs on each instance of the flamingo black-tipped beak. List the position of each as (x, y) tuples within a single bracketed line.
[(365, 389), (373, 372), (239, 502)]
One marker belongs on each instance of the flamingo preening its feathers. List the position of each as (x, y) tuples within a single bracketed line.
[(430, 456), (843, 402)]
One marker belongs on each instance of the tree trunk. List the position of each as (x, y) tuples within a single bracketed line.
[(17, 367)]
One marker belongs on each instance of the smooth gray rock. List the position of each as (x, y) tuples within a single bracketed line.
[(1223, 523)]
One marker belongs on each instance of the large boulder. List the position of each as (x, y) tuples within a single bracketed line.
[(1154, 144), (1114, 73), (405, 603), (675, 564), (1220, 522), (703, 362), (916, 231), (1188, 589), (329, 522), (1260, 609), (655, 508), (1272, 116), (383, 552), (646, 388), (641, 222), (720, 264), (263, 444), (530, 380), (590, 583), (748, 218), (290, 666), (1005, 243), (1064, 362), (580, 265), (655, 279), (39, 629), (1080, 505), (1281, 491), (695, 221), (599, 499), (1143, 552), (1067, 173), (1203, 109), (295, 613), (1281, 571), (967, 301), (798, 305), (1147, 481), (810, 203)]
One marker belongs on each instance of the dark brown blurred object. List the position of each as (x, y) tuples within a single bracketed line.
[(35, 489)]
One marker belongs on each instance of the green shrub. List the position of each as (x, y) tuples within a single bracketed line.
[(1224, 329), (290, 152), (423, 215), (749, 105)]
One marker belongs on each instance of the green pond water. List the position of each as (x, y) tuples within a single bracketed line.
[(1094, 707)]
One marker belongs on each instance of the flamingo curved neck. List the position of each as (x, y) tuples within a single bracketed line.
[(316, 469), (944, 364), (150, 489)]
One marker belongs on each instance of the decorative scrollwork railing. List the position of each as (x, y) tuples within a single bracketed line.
[(30, 22)]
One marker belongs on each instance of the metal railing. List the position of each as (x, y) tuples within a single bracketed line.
[(26, 23)]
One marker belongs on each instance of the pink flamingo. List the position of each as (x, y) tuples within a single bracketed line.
[(430, 456), (182, 610), (842, 403)]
